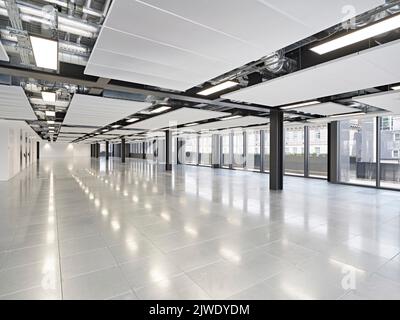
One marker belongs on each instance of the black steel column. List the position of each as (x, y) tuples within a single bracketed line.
[(262, 150), (97, 148), (143, 150), (168, 150), (276, 150), (37, 150), (123, 150), (333, 152), (107, 151)]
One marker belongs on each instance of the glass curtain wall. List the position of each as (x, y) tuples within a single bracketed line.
[(226, 149), (238, 150), (294, 150), (318, 151), (357, 162), (253, 149), (205, 145), (190, 147), (390, 152), (266, 150)]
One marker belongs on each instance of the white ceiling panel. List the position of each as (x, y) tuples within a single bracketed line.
[(14, 104), (327, 109), (355, 72), (389, 101), (3, 53), (77, 129), (159, 43), (240, 122), (180, 116), (99, 111)]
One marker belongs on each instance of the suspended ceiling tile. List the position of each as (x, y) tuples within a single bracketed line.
[(98, 111), (178, 117), (165, 42), (327, 109), (225, 124), (3, 53), (351, 73), (14, 104), (389, 101), (77, 129)]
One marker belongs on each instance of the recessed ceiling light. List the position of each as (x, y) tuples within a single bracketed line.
[(97, 133), (132, 120), (191, 124), (231, 117), (104, 130), (219, 87), (160, 109), (45, 52), (116, 126), (396, 88), (303, 104), (50, 113), (371, 31), (49, 97), (348, 115), (50, 121)]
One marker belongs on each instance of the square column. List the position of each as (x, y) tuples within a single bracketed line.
[(123, 150), (168, 150), (333, 152), (276, 150), (107, 151)]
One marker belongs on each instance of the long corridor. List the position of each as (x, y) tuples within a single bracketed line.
[(91, 229)]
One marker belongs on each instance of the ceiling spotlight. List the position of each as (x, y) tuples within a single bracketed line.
[(303, 104), (132, 120), (371, 31), (45, 52), (220, 87), (160, 109), (49, 97), (231, 117), (50, 113)]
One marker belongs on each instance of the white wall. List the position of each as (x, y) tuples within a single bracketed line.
[(17, 148), (63, 150)]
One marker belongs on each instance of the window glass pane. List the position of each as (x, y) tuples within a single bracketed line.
[(253, 161), (357, 143), (390, 152), (205, 144), (238, 150), (294, 150), (318, 151), (190, 155), (225, 150), (266, 150)]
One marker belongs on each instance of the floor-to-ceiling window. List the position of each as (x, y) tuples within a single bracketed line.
[(238, 150), (205, 145), (266, 150), (226, 149), (253, 149), (294, 150), (318, 150), (390, 152), (357, 145), (190, 147)]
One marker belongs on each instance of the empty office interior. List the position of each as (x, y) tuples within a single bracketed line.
[(192, 149)]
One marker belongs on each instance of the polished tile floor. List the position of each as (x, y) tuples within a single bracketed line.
[(88, 229)]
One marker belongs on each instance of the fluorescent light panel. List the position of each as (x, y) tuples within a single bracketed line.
[(45, 52), (49, 97), (160, 109), (231, 118), (132, 120), (347, 115), (376, 29), (191, 124), (50, 122), (396, 88), (220, 87), (50, 113), (116, 126), (299, 105)]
